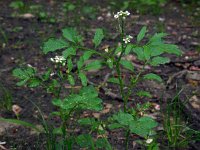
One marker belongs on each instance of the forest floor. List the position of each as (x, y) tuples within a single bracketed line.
[(22, 37)]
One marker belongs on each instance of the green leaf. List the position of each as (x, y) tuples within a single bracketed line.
[(57, 131), (71, 35), (54, 44), (86, 121), (87, 99), (157, 38), (85, 141), (114, 80), (156, 61), (71, 80), (98, 37), (22, 82), (113, 126), (34, 82), (139, 52), (46, 75), (127, 64), (80, 63), (69, 64), (123, 118), (144, 94), (19, 122), (69, 52), (88, 54), (57, 102), (141, 34), (143, 126), (147, 52), (118, 50), (128, 48), (171, 49), (94, 65), (23, 74), (83, 78), (152, 76), (102, 143), (17, 5)]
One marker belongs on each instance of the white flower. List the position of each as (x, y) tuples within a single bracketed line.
[(52, 74), (161, 19), (106, 50), (121, 14), (127, 39), (148, 141), (59, 59)]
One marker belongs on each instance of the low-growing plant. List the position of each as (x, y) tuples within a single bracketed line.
[(5, 98), (178, 133), (72, 69)]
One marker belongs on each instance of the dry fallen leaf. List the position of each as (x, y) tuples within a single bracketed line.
[(16, 109)]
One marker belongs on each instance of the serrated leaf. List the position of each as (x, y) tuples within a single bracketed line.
[(156, 50), (87, 54), (69, 52), (72, 35), (118, 50), (83, 78), (22, 82), (152, 76), (54, 44), (84, 141), (23, 74), (57, 102), (141, 34), (102, 143), (86, 121), (69, 64), (147, 52), (87, 99), (156, 61), (171, 49), (71, 80), (127, 64), (46, 75), (98, 37), (57, 131), (123, 118), (139, 52), (94, 65), (157, 38), (114, 80), (128, 48), (143, 126), (34, 82), (144, 94), (113, 126), (80, 63)]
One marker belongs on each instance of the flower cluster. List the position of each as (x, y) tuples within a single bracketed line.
[(59, 59), (127, 39), (122, 14)]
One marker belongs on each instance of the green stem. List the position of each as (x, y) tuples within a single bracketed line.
[(127, 138), (121, 84)]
